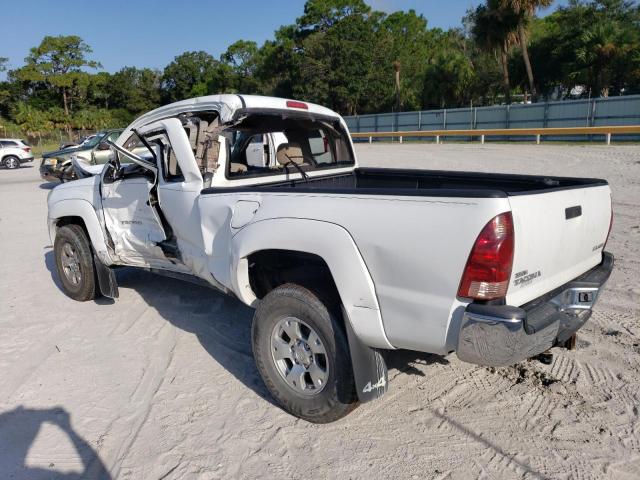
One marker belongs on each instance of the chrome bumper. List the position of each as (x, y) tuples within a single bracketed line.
[(501, 335)]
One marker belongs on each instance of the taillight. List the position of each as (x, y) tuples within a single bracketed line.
[(296, 104), (488, 269), (27, 149)]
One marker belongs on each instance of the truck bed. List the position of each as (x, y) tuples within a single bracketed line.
[(386, 181)]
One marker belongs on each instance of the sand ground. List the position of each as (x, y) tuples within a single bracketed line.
[(161, 383)]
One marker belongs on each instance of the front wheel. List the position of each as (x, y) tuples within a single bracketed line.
[(74, 262), (302, 353)]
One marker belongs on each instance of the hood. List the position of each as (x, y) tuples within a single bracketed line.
[(65, 151)]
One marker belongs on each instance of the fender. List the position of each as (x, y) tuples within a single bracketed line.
[(80, 208), (336, 247)]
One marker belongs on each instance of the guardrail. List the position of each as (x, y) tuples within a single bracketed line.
[(506, 132)]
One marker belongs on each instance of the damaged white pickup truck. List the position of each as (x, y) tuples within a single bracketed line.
[(262, 198)]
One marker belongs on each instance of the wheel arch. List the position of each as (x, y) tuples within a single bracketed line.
[(79, 212), (318, 243)]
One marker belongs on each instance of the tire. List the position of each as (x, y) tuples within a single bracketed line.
[(325, 392), (74, 263), (11, 162)]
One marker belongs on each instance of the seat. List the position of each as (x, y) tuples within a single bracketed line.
[(235, 167), (290, 152)]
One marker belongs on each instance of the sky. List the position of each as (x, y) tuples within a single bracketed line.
[(150, 33)]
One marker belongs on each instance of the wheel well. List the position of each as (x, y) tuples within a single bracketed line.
[(269, 269), (61, 222)]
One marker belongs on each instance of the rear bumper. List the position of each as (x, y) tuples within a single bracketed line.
[(501, 335)]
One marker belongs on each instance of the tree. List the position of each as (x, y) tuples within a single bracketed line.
[(525, 10), (494, 30), (134, 89), (185, 72), (58, 63), (321, 15), (243, 59), (3, 63), (32, 121), (449, 74)]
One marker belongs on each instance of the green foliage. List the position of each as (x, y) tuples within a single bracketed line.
[(186, 72), (57, 62)]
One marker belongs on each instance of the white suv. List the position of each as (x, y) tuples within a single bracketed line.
[(14, 152)]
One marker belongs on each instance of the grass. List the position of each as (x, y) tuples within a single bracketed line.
[(38, 150)]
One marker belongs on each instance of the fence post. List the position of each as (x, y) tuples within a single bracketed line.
[(444, 120), (545, 119), (420, 120), (507, 119)]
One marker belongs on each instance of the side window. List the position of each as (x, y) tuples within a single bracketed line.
[(135, 145), (320, 147), (170, 167)]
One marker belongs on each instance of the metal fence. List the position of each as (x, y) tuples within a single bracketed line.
[(594, 112)]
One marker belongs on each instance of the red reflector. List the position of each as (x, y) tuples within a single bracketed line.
[(295, 104), (488, 269)]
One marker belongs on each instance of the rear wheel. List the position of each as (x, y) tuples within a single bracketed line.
[(74, 262), (301, 351), (12, 162)]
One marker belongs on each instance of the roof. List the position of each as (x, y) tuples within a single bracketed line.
[(226, 104)]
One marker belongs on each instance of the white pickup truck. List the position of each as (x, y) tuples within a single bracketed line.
[(262, 198)]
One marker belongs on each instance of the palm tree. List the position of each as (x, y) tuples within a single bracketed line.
[(525, 10), (494, 29)]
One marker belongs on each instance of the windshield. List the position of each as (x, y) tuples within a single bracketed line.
[(271, 144), (91, 141)]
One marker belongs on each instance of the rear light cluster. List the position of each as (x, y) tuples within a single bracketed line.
[(27, 149), (488, 269), (296, 104)]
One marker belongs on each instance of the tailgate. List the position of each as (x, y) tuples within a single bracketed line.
[(558, 236)]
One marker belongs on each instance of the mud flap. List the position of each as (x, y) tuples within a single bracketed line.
[(369, 367), (106, 279)]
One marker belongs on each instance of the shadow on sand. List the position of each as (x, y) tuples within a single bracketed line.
[(18, 430), (221, 323)]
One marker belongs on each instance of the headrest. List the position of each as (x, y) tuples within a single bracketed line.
[(290, 152)]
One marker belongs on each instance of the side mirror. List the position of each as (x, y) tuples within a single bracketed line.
[(103, 146)]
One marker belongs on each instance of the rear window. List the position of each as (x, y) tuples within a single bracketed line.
[(264, 144), (8, 143)]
